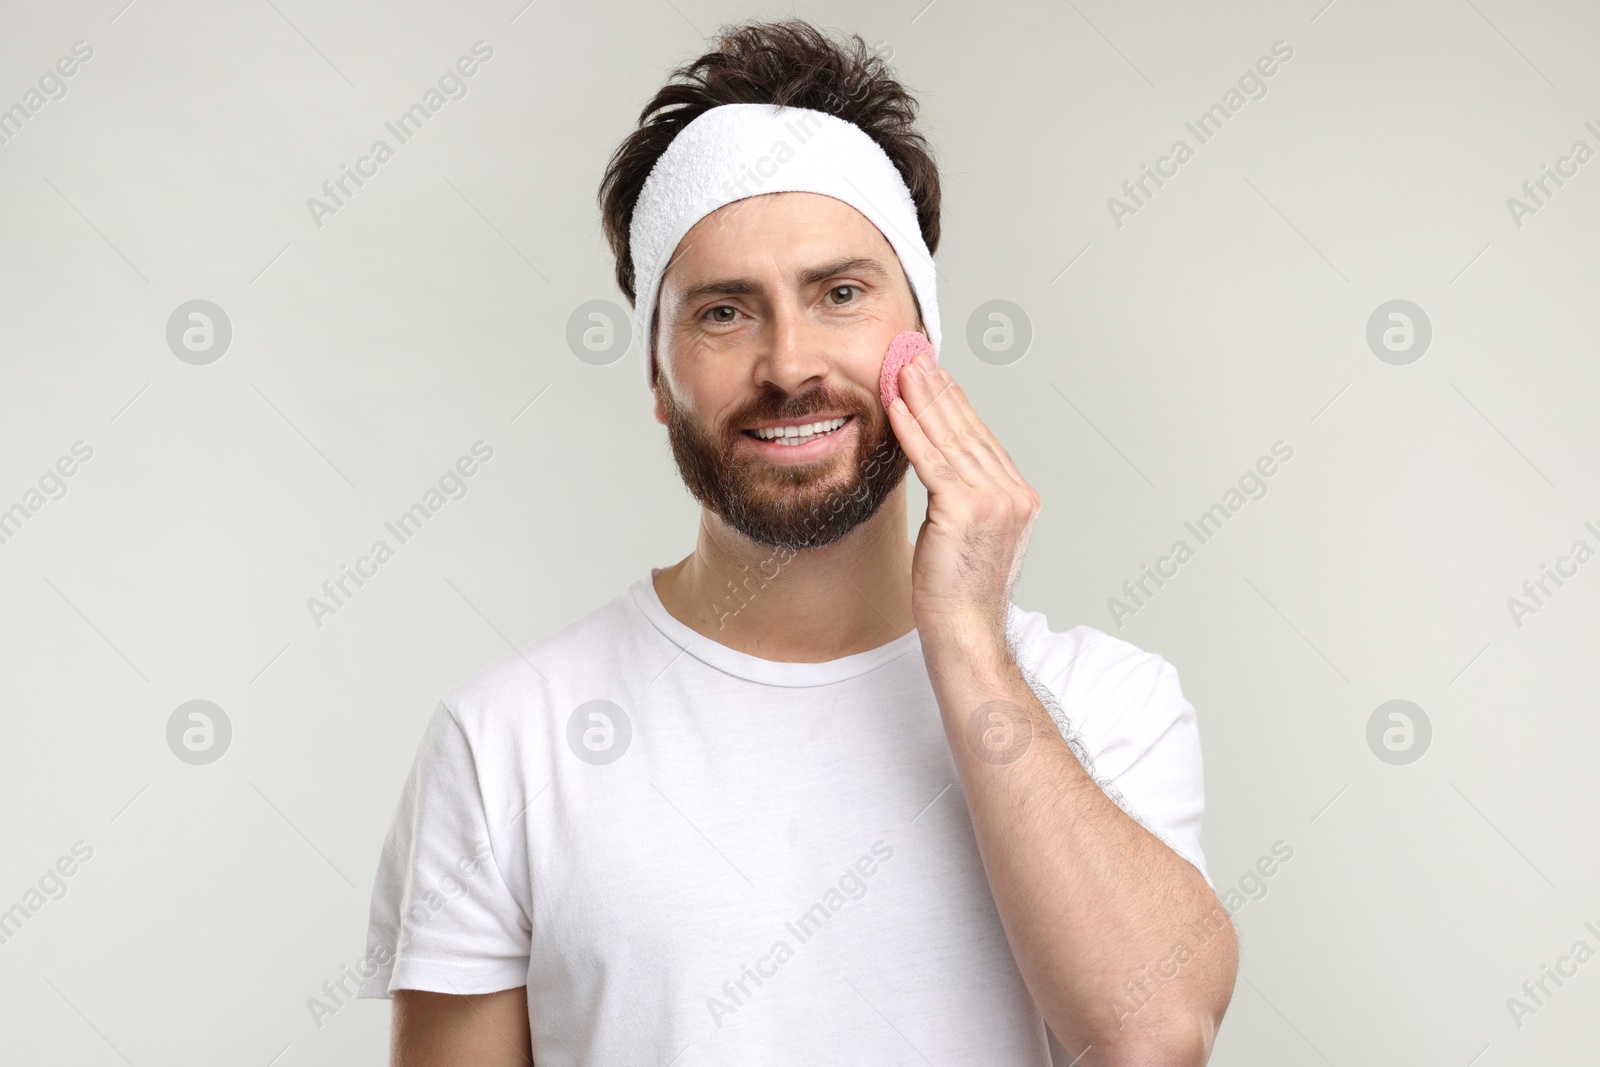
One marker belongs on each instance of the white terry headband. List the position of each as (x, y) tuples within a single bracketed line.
[(735, 151)]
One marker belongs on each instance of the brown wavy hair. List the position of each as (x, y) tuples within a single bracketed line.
[(788, 62)]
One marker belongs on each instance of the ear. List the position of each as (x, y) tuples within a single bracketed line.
[(655, 393)]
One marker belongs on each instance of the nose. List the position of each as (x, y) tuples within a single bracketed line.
[(794, 352)]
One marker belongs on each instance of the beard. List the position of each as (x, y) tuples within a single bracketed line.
[(793, 506)]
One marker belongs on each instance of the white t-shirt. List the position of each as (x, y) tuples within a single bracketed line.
[(694, 856)]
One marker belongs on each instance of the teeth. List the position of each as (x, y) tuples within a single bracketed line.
[(792, 435)]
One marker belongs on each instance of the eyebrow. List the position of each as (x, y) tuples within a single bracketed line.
[(861, 265)]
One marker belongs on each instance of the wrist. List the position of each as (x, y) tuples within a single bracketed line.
[(974, 644), (969, 631)]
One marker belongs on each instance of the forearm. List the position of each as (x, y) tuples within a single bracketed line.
[(1093, 905), (445, 1029)]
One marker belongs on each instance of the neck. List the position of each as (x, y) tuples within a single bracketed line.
[(796, 606)]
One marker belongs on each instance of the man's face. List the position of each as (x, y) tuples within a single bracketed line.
[(777, 310)]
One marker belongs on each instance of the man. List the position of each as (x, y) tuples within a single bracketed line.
[(812, 795)]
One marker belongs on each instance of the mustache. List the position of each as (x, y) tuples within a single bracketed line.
[(770, 406), (778, 505)]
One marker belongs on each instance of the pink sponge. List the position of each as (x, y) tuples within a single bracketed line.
[(902, 350)]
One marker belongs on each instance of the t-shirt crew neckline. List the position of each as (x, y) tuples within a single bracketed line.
[(642, 594)]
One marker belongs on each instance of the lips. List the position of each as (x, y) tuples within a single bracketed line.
[(799, 432), (798, 448)]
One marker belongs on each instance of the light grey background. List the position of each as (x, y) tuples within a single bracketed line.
[(369, 353)]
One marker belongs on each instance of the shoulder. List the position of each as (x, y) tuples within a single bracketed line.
[(1124, 713), (1106, 686)]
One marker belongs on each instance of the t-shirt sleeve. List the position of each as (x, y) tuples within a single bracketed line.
[(442, 917), (1124, 710)]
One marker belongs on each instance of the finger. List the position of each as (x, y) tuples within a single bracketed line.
[(971, 446), (976, 436), (939, 413), (934, 471), (980, 442)]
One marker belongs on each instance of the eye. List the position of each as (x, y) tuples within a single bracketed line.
[(843, 288), (722, 307)]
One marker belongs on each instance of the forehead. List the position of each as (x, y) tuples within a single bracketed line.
[(773, 231)]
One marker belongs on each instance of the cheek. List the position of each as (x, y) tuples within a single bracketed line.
[(905, 347)]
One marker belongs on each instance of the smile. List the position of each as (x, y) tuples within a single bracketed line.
[(799, 435)]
